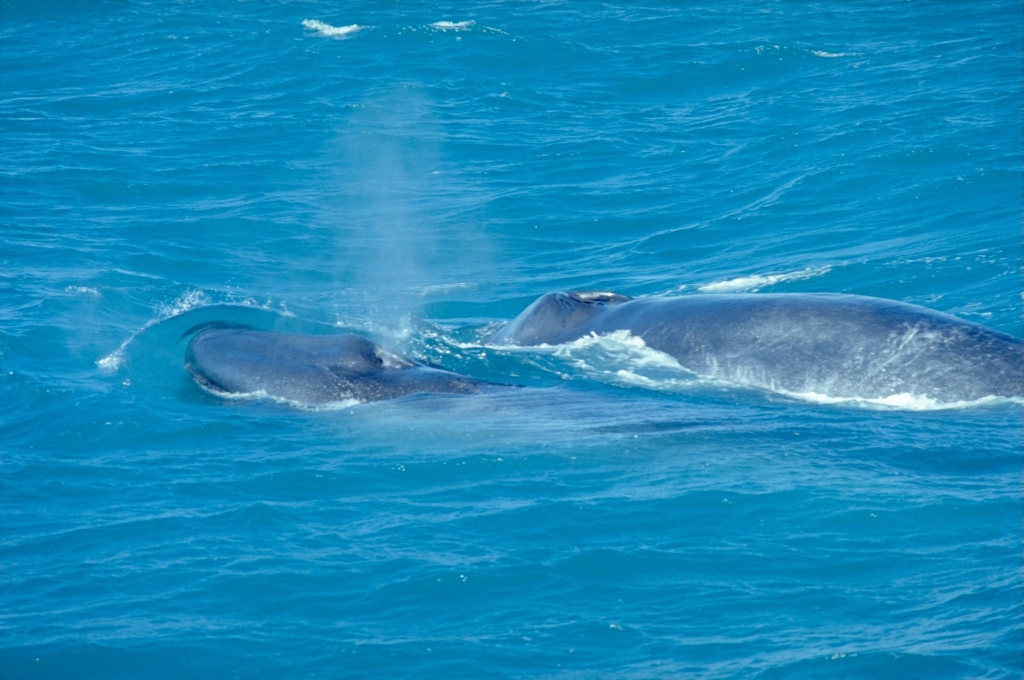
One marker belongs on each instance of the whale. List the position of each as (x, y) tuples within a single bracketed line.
[(309, 369), (824, 344)]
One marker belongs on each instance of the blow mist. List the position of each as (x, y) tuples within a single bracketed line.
[(398, 214)]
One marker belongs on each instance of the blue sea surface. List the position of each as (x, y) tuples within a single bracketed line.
[(419, 173)]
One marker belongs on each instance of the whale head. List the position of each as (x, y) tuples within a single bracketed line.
[(556, 318), (308, 369)]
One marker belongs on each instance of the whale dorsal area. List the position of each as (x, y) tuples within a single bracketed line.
[(842, 346)]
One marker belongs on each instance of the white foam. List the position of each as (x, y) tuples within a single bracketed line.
[(757, 281), (829, 55), (453, 25), (188, 300), (903, 401), (619, 358), (328, 31), (82, 290), (113, 361), (619, 343)]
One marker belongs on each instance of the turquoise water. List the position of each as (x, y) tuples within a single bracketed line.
[(419, 182)]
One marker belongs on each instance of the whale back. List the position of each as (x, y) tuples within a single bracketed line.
[(825, 345), (829, 345)]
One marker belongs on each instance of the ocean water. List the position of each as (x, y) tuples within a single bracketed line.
[(419, 173)]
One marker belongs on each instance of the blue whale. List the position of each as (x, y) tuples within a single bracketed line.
[(841, 346), (310, 369)]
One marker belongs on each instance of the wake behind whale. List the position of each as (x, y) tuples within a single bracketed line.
[(831, 347)]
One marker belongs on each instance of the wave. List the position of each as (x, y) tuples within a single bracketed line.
[(188, 300), (453, 25), (777, 49), (755, 282), (329, 31)]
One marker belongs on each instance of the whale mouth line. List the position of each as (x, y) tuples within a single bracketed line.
[(263, 395), (208, 384), (211, 387)]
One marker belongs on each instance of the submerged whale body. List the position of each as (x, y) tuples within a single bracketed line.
[(837, 346), (311, 369)]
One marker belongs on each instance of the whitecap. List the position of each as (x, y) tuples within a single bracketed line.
[(829, 55), (329, 31), (453, 25), (757, 281)]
